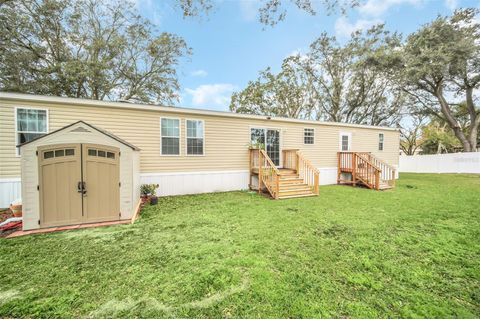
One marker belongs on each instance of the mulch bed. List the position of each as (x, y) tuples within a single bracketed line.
[(5, 213)]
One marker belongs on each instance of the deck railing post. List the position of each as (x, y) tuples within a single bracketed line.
[(354, 168), (277, 187), (377, 180), (316, 182), (260, 164)]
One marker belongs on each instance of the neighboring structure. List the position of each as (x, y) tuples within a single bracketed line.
[(185, 151), (78, 174)]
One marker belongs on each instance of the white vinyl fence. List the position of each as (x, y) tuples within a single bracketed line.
[(441, 163)]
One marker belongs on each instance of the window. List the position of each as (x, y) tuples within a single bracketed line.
[(269, 140), (380, 142), (195, 137), (170, 136), (345, 141), (30, 124), (308, 136)]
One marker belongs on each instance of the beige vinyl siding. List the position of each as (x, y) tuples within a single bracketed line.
[(226, 137)]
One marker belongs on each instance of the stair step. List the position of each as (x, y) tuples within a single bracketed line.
[(295, 192), (296, 196), (292, 181), (294, 187)]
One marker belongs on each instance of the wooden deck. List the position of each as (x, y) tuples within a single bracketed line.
[(297, 177)]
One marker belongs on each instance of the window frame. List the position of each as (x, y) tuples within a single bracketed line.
[(341, 135), (309, 128), (186, 137), (381, 141), (265, 129), (179, 136), (17, 142)]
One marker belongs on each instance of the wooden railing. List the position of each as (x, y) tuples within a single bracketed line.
[(308, 172), (290, 159), (365, 171), (293, 159), (268, 175), (388, 172), (366, 167)]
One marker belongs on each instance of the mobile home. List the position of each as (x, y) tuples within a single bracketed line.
[(113, 147)]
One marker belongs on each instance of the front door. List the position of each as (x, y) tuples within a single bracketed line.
[(270, 140), (79, 183)]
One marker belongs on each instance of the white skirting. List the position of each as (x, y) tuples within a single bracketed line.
[(10, 189), (328, 175), (181, 183)]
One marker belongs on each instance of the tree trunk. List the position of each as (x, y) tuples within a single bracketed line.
[(451, 121), (474, 120)]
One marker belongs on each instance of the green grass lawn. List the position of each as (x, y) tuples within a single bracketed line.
[(350, 253)]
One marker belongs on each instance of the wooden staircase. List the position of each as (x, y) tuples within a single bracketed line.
[(365, 169), (297, 178)]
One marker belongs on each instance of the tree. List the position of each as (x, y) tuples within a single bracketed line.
[(411, 134), (88, 49), (346, 87), (331, 82), (285, 94), (271, 12), (438, 138), (439, 66)]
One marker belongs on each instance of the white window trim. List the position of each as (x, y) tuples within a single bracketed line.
[(186, 137), (17, 149), (314, 134), (349, 141), (280, 140), (383, 142), (179, 136)]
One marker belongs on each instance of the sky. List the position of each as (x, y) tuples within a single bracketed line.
[(230, 47)]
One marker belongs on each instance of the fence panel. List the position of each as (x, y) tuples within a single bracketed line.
[(441, 163)]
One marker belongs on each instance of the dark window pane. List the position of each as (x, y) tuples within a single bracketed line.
[(195, 146), (69, 152), (92, 152), (170, 146), (257, 136), (59, 153), (101, 153), (110, 155), (27, 137), (48, 154)]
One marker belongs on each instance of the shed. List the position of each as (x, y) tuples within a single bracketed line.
[(78, 174)]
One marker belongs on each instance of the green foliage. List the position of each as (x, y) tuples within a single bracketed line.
[(439, 66), (331, 82), (271, 12), (148, 189), (87, 48), (350, 253)]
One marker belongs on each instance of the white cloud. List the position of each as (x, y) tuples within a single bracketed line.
[(451, 4), (212, 95), (344, 28), (199, 73), (378, 7)]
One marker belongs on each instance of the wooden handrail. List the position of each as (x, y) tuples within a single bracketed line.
[(309, 173), (268, 174)]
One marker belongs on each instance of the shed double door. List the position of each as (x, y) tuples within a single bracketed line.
[(78, 183)]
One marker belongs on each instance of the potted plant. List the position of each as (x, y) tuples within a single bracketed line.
[(148, 193), (153, 194)]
